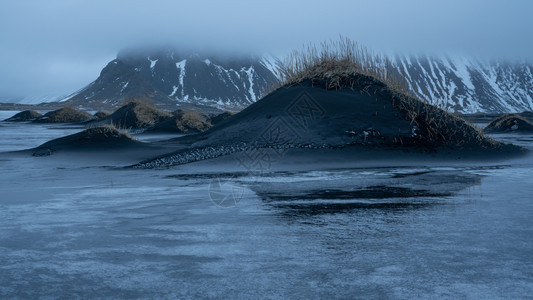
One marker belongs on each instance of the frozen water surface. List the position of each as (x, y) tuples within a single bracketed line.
[(18, 136), (70, 229)]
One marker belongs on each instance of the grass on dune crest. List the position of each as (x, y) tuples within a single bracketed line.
[(137, 113), (336, 63), (109, 129)]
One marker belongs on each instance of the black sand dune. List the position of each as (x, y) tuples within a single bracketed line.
[(136, 115), (308, 116), (510, 123), (350, 102), (24, 116), (97, 138), (64, 115), (182, 121)]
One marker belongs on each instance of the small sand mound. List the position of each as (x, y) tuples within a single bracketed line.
[(97, 137), (182, 121), (510, 123), (136, 115), (64, 115), (23, 116), (99, 115), (221, 117)]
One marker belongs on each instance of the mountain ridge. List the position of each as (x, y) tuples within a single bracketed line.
[(175, 79), (201, 81)]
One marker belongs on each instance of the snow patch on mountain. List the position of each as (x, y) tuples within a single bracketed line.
[(250, 73), (152, 62), (469, 85), (272, 64), (181, 67), (124, 87)]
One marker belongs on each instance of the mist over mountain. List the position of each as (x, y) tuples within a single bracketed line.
[(171, 77), (177, 78), (75, 39)]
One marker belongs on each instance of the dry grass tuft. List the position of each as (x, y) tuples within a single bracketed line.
[(336, 63), (109, 129), (190, 121)]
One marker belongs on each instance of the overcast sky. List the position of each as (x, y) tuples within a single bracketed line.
[(57, 47)]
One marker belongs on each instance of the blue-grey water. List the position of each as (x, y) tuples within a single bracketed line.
[(72, 229)]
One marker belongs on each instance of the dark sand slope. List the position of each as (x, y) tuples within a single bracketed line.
[(509, 123), (64, 115), (309, 117), (24, 116)]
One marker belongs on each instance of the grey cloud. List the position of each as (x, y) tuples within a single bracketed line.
[(60, 46)]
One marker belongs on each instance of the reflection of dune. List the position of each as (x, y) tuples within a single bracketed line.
[(381, 190)]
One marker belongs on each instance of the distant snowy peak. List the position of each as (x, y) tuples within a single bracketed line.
[(169, 77), (32, 99), (468, 85)]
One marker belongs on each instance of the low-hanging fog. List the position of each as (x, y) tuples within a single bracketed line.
[(56, 47)]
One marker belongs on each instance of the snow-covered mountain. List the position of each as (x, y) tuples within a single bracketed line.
[(469, 85), (175, 78), (169, 77)]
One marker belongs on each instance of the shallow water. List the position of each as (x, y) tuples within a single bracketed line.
[(18, 136), (78, 229)]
